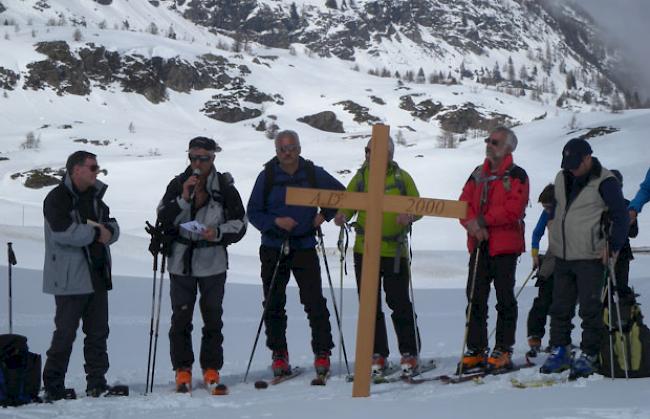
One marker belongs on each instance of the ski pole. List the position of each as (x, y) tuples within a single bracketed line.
[(530, 275), (468, 315), (610, 326), (284, 249), (343, 249), (11, 261), (336, 311), (412, 295), (615, 297), (154, 248), (155, 344)]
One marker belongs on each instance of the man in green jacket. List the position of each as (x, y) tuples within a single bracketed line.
[(394, 264)]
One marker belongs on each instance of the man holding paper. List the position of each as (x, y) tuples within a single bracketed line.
[(201, 213)]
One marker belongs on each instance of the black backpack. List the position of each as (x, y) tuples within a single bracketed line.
[(637, 342), (20, 371), (269, 176)]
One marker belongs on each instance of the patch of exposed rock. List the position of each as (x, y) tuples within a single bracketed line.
[(324, 121)]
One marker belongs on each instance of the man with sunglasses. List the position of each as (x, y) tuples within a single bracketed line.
[(288, 242), (496, 194), (77, 271), (198, 259), (393, 264)]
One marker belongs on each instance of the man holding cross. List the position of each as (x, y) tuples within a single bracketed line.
[(497, 194), (394, 264), (289, 245)]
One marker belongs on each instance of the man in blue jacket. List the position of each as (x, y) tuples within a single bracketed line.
[(288, 242), (77, 271)]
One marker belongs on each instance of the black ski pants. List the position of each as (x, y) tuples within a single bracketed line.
[(541, 307), (501, 270), (306, 270), (578, 281), (92, 310), (183, 291), (396, 287), (622, 271)]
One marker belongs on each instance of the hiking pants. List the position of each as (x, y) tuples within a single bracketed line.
[(306, 270), (396, 287), (183, 290), (578, 281), (92, 310), (501, 270)]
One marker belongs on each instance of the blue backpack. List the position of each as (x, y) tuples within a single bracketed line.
[(20, 371)]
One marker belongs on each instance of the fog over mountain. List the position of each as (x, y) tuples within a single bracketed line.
[(625, 22)]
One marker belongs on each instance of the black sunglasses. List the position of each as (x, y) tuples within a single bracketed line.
[(492, 141), (93, 168), (202, 159), (367, 150), (289, 148)]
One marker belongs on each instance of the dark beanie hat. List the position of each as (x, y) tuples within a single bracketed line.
[(573, 153), (204, 143)]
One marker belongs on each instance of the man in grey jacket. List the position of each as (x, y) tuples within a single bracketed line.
[(198, 257), (580, 241), (77, 271)]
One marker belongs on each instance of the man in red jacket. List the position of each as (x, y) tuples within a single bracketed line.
[(496, 194)]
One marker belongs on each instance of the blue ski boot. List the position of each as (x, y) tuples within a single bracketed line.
[(583, 366), (559, 360)]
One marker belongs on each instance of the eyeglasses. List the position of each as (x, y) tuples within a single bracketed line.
[(289, 148), (492, 141), (202, 159), (93, 168), (367, 150)]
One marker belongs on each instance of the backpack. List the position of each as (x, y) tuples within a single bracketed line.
[(399, 181), (269, 175), (637, 342), (20, 371)]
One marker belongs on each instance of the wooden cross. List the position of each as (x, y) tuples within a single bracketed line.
[(374, 203)]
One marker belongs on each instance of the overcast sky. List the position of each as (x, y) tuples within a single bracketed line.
[(627, 23)]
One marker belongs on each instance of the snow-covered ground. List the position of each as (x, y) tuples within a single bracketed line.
[(140, 163)]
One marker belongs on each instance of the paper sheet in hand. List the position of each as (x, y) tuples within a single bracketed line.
[(194, 227)]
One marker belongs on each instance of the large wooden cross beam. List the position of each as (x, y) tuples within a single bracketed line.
[(374, 203)]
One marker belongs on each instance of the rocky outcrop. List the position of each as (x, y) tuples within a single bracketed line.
[(39, 178), (104, 2), (459, 119), (8, 79), (324, 121), (69, 72), (2, 8), (360, 112), (424, 110)]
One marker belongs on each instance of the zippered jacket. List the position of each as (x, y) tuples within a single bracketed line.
[(578, 233), (398, 182), (498, 200), (263, 210), (191, 255), (68, 264)]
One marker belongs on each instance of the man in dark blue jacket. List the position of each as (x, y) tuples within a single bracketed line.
[(288, 241)]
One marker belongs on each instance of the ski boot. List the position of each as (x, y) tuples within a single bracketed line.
[(535, 344), (379, 365), (409, 364), (500, 360), (559, 360), (473, 359), (583, 366), (322, 363), (184, 380), (280, 365)]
